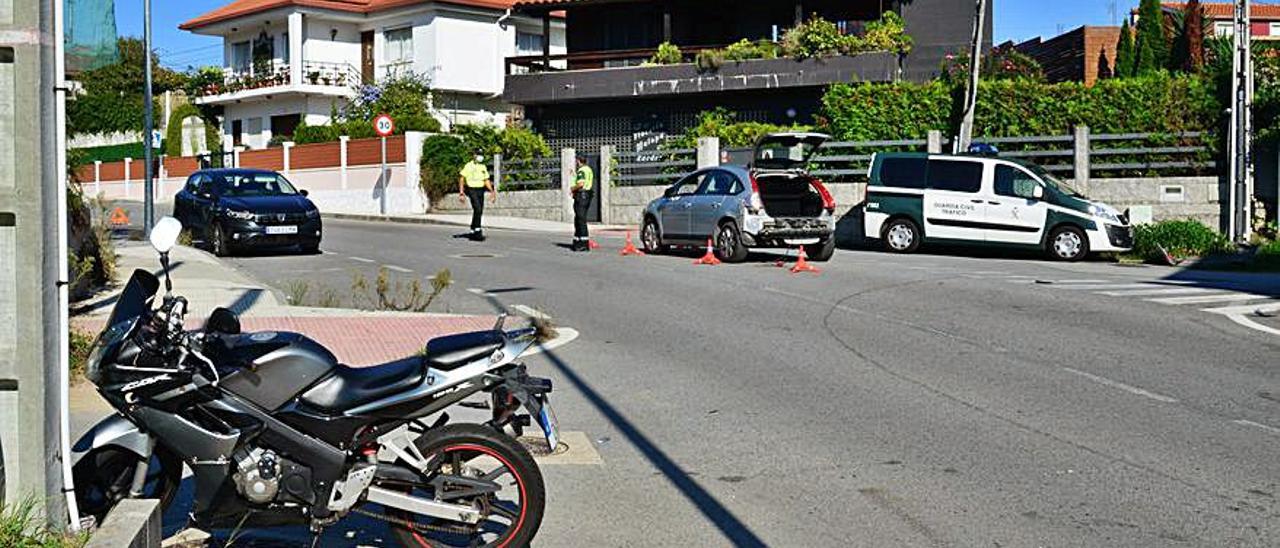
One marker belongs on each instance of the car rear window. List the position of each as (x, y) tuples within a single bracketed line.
[(903, 172), (955, 175)]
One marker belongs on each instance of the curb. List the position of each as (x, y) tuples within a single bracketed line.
[(463, 223)]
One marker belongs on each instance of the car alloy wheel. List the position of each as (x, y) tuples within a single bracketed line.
[(649, 237)]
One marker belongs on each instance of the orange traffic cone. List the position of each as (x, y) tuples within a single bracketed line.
[(802, 265), (710, 257), (630, 248), (591, 244)]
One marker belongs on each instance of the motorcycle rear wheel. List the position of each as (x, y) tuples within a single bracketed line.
[(103, 478), (511, 516)]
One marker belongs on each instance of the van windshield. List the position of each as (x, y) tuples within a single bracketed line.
[(1050, 180)]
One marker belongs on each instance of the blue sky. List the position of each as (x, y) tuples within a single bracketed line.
[(1014, 19)]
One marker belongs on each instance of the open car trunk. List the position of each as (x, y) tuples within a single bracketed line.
[(786, 195)]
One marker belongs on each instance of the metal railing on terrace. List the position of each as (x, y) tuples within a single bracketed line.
[(277, 74)]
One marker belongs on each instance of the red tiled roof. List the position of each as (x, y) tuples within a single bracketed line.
[(1226, 10), (241, 8)]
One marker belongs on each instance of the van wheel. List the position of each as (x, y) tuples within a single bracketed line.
[(651, 237), (822, 251), (1068, 243), (728, 243), (902, 236)]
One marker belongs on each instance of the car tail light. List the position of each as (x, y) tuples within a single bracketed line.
[(828, 202), (757, 204)]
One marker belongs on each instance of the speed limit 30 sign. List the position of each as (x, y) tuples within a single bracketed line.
[(383, 125)]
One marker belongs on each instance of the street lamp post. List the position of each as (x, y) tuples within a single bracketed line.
[(148, 207)]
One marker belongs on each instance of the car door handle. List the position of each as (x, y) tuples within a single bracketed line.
[(994, 203), (977, 201)]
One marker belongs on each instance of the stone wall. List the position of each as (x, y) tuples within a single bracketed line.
[(545, 205)]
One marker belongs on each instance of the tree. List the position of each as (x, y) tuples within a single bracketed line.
[(1125, 61), (112, 98), (1153, 41), (1190, 29)]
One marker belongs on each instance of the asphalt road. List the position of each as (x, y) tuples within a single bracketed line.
[(926, 400)]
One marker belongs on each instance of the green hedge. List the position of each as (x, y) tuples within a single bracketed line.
[(173, 133), (111, 153), (1159, 103), (732, 133), (442, 159), (1181, 239), (360, 129)]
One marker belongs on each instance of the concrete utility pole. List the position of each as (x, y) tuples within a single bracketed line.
[(1240, 145), (30, 185), (965, 138), (149, 205)]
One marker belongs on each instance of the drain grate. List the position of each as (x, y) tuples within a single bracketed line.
[(538, 446)]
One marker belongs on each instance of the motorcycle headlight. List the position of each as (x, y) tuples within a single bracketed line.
[(242, 215)]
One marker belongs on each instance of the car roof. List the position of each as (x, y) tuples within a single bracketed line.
[(224, 171)]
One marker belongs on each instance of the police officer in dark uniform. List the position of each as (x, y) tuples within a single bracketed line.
[(584, 189)]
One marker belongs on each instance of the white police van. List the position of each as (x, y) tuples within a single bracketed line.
[(915, 198)]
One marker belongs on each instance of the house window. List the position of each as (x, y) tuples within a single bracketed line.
[(237, 133), (1223, 28), (241, 56), (399, 46), (1275, 29), (284, 48), (254, 138), (528, 43)]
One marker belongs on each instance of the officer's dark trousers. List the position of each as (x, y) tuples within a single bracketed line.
[(581, 205), (476, 195)]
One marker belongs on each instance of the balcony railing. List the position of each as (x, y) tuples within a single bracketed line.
[(274, 74), (526, 64)]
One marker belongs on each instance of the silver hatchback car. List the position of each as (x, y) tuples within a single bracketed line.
[(773, 203)]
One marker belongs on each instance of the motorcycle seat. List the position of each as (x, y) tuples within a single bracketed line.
[(453, 351), (350, 387)]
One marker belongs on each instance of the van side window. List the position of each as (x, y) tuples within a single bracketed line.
[(1014, 182), (903, 172), (955, 175)]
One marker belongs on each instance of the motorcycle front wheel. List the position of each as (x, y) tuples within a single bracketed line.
[(103, 478), (511, 513)]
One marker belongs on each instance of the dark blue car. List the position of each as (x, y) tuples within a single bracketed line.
[(233, 209)]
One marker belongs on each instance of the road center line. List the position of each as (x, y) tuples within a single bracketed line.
[(480, 292), (362, 260), (1244, 422), (1122, 386), (398, 268)]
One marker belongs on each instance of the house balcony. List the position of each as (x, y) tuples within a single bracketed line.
[(264, 81), (596, 76)]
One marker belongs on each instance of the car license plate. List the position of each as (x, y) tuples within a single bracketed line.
[(282, 230), (550, 426)]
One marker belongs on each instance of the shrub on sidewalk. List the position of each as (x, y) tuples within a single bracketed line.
[(1182, 239), (21, 526), (442, 159)]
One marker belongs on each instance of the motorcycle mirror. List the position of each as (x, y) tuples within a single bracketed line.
[(502, 319), (164, 235), (223, 321)]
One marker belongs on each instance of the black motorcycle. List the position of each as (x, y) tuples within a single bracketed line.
[(277, 432)]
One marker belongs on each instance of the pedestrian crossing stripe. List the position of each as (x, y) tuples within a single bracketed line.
[(1149, 292), (1207, 299)]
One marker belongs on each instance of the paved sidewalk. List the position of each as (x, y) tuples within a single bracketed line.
[(490, 222), (357, 337)]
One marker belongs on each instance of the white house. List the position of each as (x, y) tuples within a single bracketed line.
[(288, 61)]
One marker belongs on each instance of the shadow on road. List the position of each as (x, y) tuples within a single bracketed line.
[(733, 529)]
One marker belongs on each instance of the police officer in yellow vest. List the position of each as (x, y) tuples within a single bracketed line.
[(472, 183), (584, 187)]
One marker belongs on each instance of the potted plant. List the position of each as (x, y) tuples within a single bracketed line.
[(313, 76)]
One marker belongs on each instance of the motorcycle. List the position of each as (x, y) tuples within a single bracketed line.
[(277, 432)]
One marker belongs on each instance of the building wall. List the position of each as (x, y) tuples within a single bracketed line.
[(1075, 56), (344, 47)]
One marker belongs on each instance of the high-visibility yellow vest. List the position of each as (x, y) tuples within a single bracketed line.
[(586, 178), (475, 174)]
